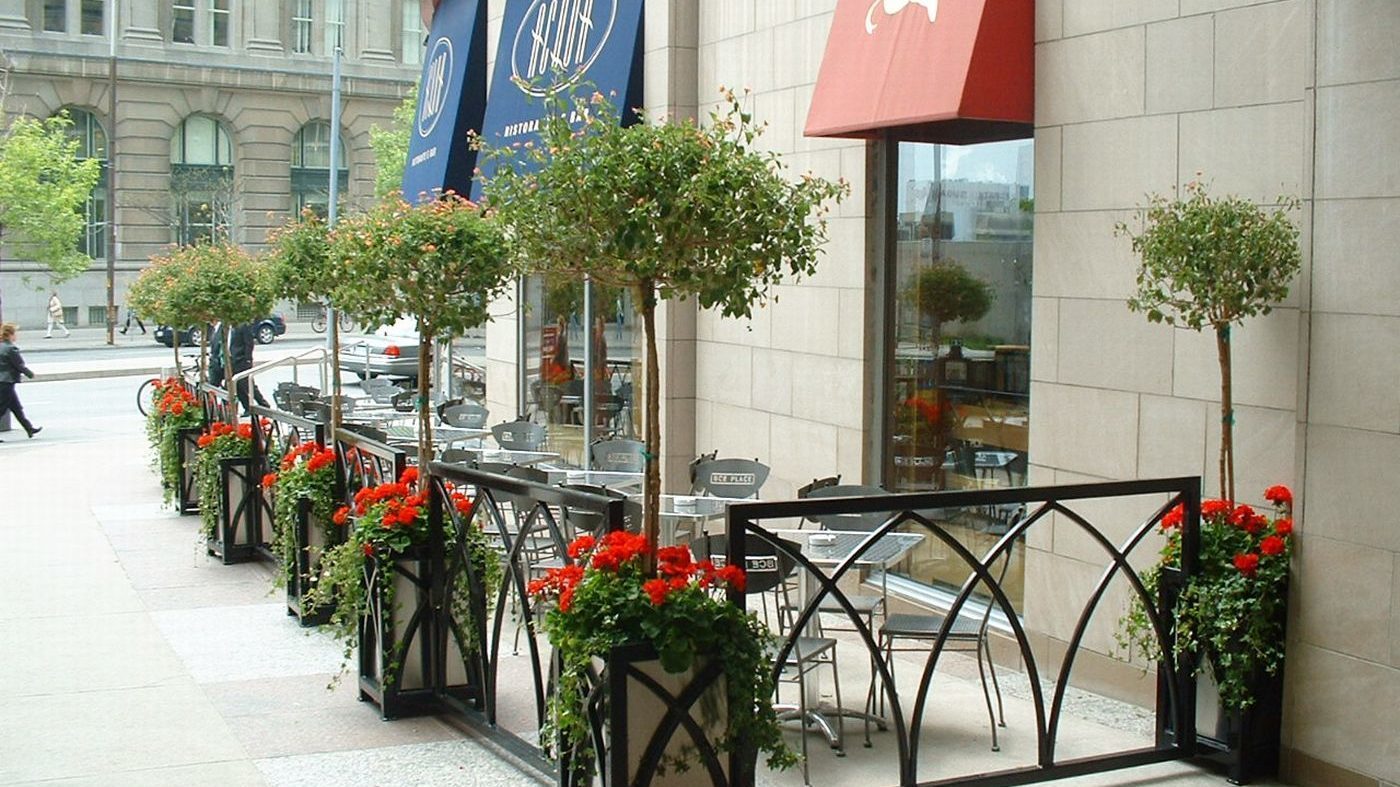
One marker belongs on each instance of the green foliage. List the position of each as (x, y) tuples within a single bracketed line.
[(172, 409), (298, 258), (1232, 613), (305, 472), (1212, 262), (674, 208), (43, 187), (390, 146), (199, 284), (946, 292)]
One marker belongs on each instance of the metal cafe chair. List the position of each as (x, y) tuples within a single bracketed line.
[(732, 478), (866, 604), (465, 415), (623, 456), (967, 635), (768, 571), (519, 435)]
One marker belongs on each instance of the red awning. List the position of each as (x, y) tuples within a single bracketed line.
[(956, 71)]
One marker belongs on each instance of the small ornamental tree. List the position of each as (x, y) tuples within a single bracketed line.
[(43, 185), (299, 264), (390, 146), (197, 285), (945, 292), (440, 262), (668, 210), (1211, 263)]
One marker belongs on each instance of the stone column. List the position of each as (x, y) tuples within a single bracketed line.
[(263, 27), (140, 22), (378, 25), (12, 16)]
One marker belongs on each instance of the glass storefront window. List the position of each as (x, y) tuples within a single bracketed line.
[(554, 376), (959, 399)]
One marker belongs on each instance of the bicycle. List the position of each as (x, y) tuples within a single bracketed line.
[(145, 394), (318, 323)]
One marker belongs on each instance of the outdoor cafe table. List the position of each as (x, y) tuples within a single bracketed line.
[(508, 457), (888, 550), (442, 435), (627, 483)]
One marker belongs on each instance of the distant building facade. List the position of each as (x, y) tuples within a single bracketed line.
[(222, 121)]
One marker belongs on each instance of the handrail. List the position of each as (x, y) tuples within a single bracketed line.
[(284, 361)]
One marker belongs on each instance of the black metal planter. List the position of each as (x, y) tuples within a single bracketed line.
[(238, 532), (187, 493), (308, 542), (404, 667)]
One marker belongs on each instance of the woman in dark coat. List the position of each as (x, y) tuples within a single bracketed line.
[(11, 367)]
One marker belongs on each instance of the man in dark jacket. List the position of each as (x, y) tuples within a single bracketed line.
[(11, 367), (241, 343)]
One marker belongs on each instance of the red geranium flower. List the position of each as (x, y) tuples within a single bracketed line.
[(368, 549), (1279, 495), (409, 476), (341, 515), (1272, 545), (1173, 518), (269, 480), (581, 545), (656, 589), (1247, 563), (1241, 516), (1284, 527), (1215, 507)]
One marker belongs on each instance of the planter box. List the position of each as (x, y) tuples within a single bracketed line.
[(400, 668), (308, 538), (187, 494), (667, 716), (238, 532)]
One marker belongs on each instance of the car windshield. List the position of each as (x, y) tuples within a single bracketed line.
[(406, 327)]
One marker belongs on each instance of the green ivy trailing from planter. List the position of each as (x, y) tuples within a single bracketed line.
[(220, 441), (173, 408), (305, 471), (386, 522)]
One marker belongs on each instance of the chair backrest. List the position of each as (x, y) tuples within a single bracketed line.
[(384, 394), (405, 401), (852, 522), (372, 384), (818, 483), (592, 522), (456, 456), (622, 456), (766, 568), (699, 460), (519, 435), (736, 478), (466, 415), (378, 435)]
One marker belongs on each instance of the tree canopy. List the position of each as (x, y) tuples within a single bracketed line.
[(946, 292), (43, 186), (390, 146)]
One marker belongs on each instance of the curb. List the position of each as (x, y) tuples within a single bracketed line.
[(90, 374)]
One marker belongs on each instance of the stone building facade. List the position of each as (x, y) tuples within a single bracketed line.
[(221, 122)]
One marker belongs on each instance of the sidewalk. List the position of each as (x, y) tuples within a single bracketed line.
[(133, 659)]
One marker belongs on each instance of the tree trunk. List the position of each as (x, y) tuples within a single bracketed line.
[(651, 498), (175, 348), (333, 332), (203, 351), (1227, 414), (425, 386), (228, 376)]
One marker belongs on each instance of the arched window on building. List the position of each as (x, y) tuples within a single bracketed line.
[(201, 181), (92, 143), (311, 162)]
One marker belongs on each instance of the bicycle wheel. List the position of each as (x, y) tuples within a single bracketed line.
[(318, 323), (143, 396), (347, 323)]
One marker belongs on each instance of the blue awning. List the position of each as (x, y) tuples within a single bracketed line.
[(549, 46), (451, 102)]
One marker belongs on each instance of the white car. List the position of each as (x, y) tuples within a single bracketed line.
[(391, 351)]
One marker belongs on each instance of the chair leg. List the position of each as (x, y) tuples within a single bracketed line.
[(802, 721), (840, 720), (992, 668), (987, 697)]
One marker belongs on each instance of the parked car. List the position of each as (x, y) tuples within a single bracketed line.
[(266, 329), (390, 351)]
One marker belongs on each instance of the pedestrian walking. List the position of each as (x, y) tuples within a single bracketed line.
[(131, 315), (11, 367), (241, 343), (55, 316)]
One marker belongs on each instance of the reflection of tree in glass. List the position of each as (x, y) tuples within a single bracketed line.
[(945, 292)]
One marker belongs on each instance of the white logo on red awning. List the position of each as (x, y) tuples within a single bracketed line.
[(893, 7)]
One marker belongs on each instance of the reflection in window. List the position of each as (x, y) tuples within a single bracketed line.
[(182, 21), (201, 180), (301, 26), (311, 161), (92, 143), (961, 318), (92, 18), (218, 22), (554, 376), (411, 43)]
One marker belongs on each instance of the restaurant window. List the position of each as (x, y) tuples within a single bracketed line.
[(301, 26), (553, 373), (201, 181), (219, 22), (311, 162), (182, 21), (960, 318), (411, 33), (92, 144), (91, 21)]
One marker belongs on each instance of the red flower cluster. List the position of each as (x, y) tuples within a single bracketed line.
[(173, 398), (220, 429), (1251, 537), (398, 504), (319, 456), (676, 569)]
